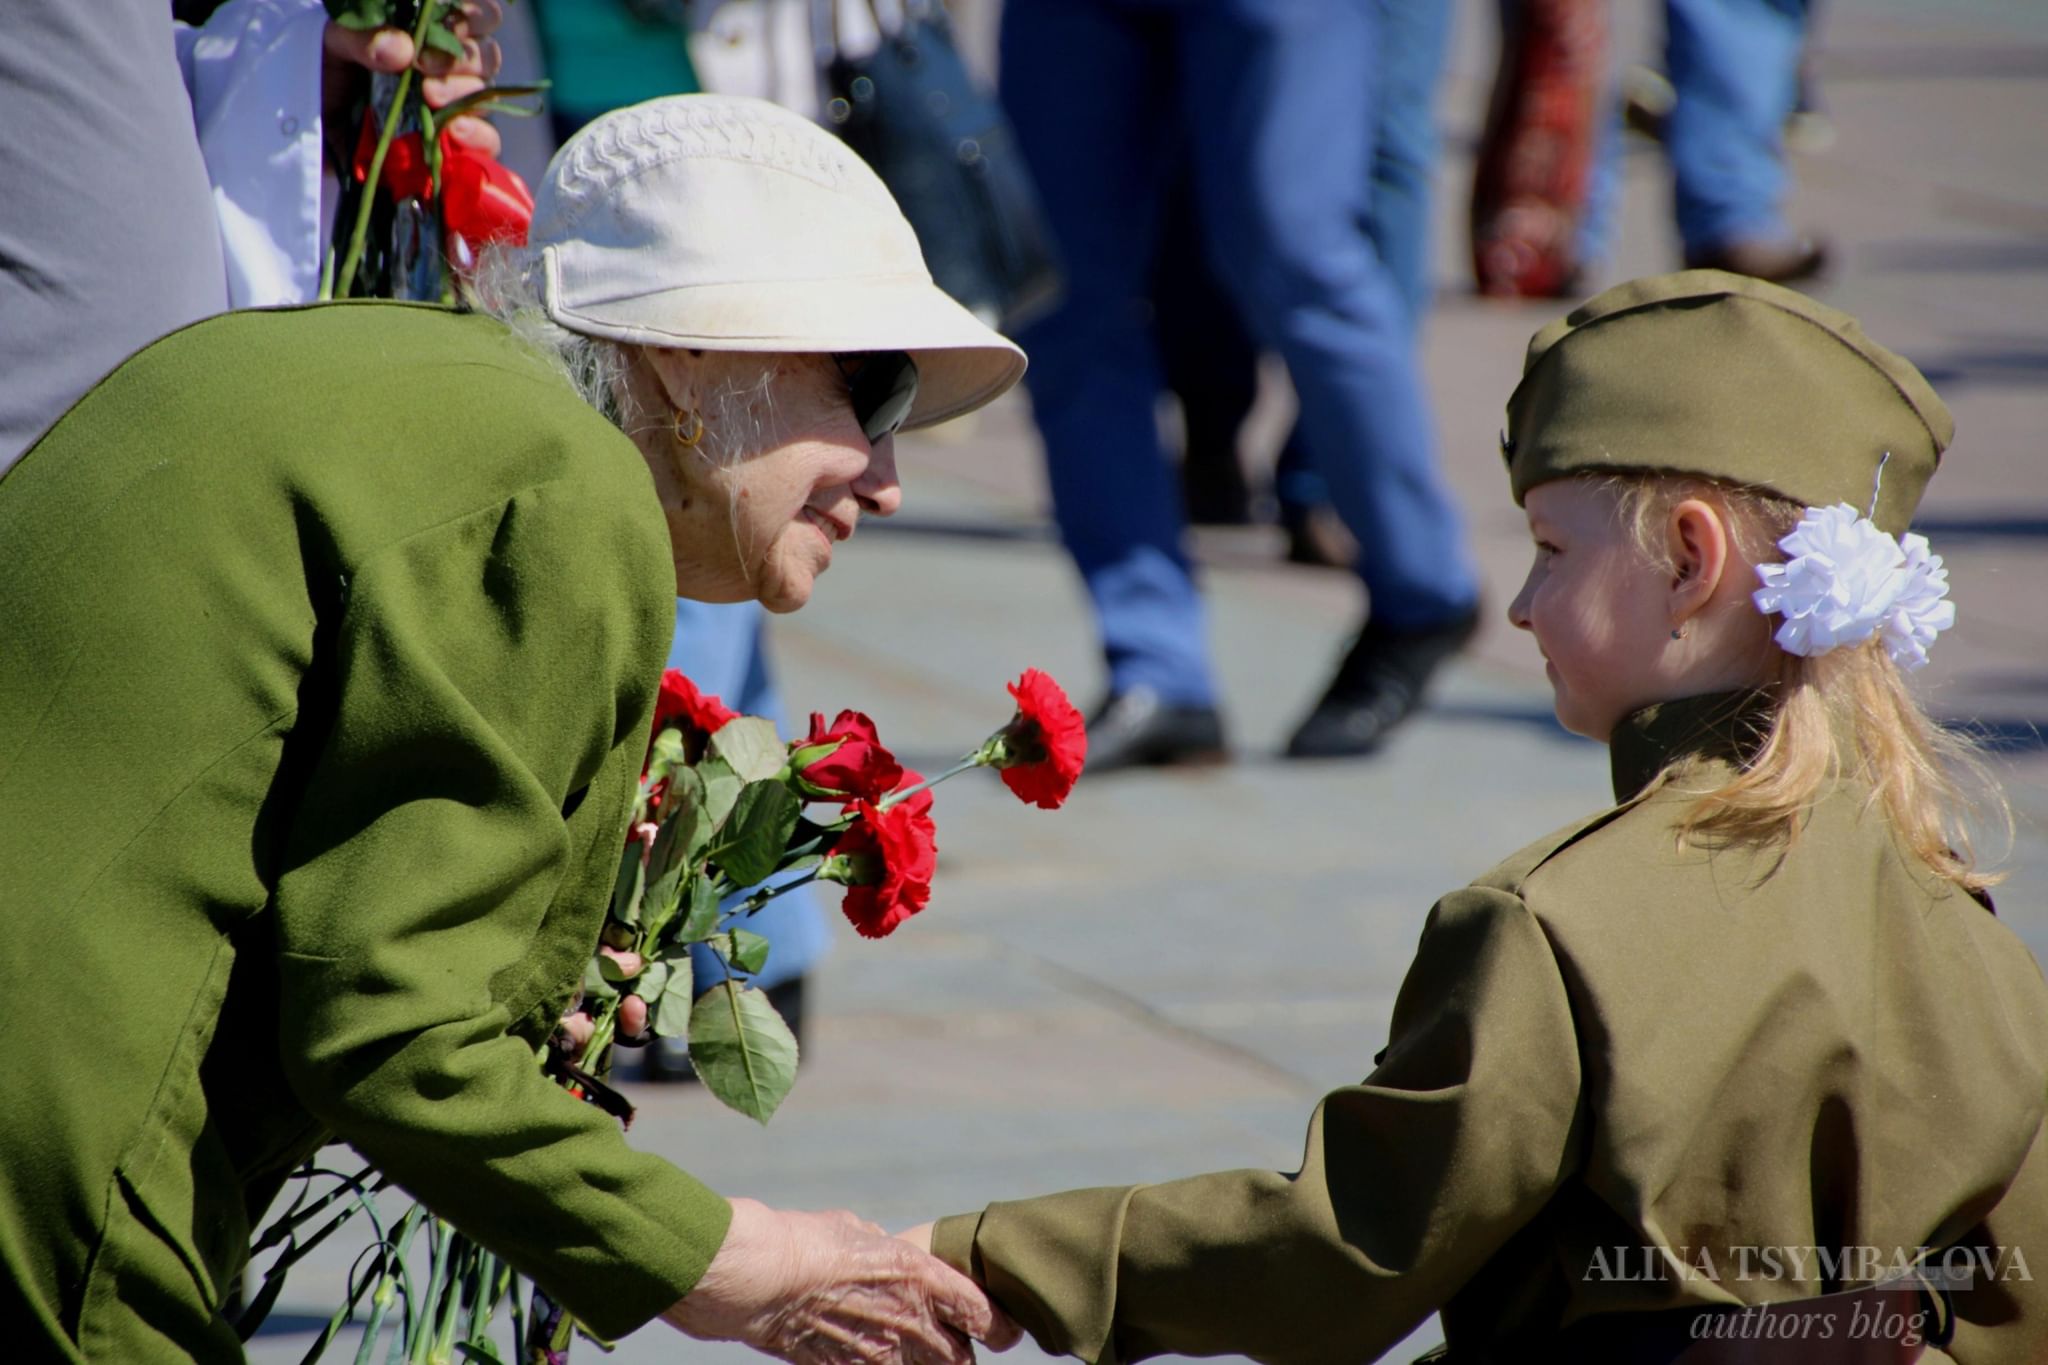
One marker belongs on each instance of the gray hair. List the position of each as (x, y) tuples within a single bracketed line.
[(738, 412)]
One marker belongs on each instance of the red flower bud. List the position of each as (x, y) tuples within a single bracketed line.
[(860, 767)]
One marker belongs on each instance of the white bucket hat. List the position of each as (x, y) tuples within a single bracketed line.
[(730, 224)]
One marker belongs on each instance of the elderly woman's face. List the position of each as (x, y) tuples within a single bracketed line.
[(781, 475)]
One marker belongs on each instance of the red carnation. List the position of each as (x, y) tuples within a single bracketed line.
[(1043, 750), (895, 851), (859, 767), (680, 701)]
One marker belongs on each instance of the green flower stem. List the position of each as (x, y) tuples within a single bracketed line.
[(978, 758), (360, 231), (769, 893)]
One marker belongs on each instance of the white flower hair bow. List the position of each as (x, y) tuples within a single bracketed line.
[(1845, 580)]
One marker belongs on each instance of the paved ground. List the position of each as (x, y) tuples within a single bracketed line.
[(1162, 977)]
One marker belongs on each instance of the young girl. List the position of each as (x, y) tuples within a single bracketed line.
[(1752, 1036)]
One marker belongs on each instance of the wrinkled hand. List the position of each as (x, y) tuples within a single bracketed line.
[(632, 1020), (350, 52), (830, 1289)]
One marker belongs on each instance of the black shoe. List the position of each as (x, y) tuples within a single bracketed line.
[(1785, 261), (1137, 728), (1379, 685)]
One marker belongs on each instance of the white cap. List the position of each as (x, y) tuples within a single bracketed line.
[(731, 224)]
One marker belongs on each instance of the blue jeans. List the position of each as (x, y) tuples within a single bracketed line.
[(1404, 157), (1277, 100), (1734, 69), (719, 646)]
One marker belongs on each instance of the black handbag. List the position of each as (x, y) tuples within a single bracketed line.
[(941, 144)]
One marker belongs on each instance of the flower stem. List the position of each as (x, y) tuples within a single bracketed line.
[(360, 231), (769, 893), (973, 760)]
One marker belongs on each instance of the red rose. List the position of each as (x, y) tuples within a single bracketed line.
[(482, 199), (1046, 746), (859, 767), (902, 843)]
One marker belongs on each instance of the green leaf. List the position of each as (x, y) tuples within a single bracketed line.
[(662, 904), (479, 1348), (441, 38), (595, 985), (671, 1013), (666, 754), (721, 789), (360, 14), (752, 747), (742, 1050), (755, 838), (631, 886), (702, 921), (476, 100), (609, 966), (652, 981), (749, 951), (687, 821)]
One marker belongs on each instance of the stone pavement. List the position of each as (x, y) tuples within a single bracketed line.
[(1161, 978)]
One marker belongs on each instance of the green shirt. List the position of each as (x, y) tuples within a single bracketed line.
[(1609, 1053), (328, 644)]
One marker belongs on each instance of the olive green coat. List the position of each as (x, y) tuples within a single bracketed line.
[(1608, 1054), (328, 639)]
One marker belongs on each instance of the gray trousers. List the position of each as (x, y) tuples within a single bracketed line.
[(107, 233)]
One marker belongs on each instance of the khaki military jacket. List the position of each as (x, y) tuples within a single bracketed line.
[(328, 643), (1622, 1076)]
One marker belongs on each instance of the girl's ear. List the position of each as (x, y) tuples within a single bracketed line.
[(1697, 538)]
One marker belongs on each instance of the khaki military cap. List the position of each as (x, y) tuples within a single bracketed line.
[(1707, 373)]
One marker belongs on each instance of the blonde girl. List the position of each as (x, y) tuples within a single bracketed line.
[(1743, 1067)]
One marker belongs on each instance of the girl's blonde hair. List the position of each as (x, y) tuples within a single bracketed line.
[(1846, 713)]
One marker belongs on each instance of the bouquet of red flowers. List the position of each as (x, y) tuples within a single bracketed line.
[(729, 816)]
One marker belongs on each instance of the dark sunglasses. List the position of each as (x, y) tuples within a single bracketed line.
[(883, 385)]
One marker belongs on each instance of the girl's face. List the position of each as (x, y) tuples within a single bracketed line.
[(1599, 610), (764, 527)]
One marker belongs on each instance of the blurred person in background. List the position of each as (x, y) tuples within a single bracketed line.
[(1276, 101), (1209, 356), (1546, 199)]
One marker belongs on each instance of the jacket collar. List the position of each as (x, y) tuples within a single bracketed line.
[(1718, 725)]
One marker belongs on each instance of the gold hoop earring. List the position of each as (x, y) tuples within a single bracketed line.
[(687, 436)]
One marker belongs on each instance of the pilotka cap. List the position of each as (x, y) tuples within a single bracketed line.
[(1726, 377)]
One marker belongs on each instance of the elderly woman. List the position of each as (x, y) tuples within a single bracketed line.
[(328, 645)]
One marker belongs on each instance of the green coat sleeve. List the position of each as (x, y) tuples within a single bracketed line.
[(1409, 1182), (494, 671)]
